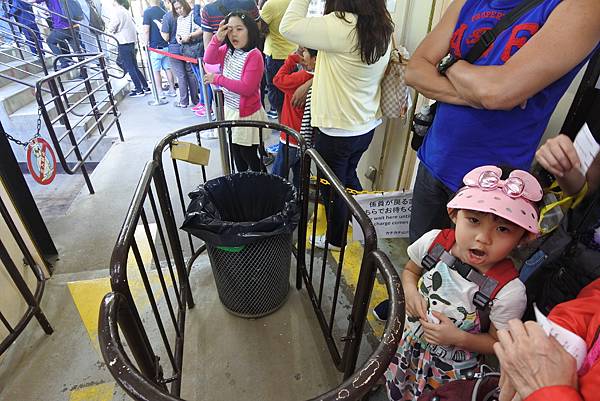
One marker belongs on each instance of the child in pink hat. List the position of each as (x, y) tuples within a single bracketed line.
[(459, 284)]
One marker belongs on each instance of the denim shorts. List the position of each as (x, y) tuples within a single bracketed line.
[(159, 62)]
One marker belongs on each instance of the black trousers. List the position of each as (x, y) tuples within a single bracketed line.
[(246, 157)]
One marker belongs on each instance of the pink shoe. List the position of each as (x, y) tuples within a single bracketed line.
[(198, 107), (200, 112)]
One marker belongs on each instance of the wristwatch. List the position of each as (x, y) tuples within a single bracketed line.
[(447, 62)]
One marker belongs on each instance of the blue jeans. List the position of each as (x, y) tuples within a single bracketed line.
[(275, 95), (196, 71), (293, 163), (127, 57), (342, 154), (430, 197)]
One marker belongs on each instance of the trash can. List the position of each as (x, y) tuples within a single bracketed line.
[(247, 221)]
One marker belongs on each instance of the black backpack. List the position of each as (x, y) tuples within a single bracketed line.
[(96, 20)]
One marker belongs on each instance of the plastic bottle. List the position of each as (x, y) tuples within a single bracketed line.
[(422, 120)]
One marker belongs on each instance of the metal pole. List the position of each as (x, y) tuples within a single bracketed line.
[(207, 106), (157, 100), (219, 102)]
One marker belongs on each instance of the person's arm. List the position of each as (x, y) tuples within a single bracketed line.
[(250, 80), (115, 21), (421, 71), (214, 53), (559, 157), (165, 29), (321, 33), (446, 333), (551, 53), (286, 78), (207, 34), (145, 35)]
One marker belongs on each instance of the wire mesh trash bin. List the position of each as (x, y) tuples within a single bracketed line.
[(247, 220)]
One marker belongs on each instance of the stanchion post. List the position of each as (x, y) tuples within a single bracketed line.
[(207, 106), (157, 100), (219, 102)]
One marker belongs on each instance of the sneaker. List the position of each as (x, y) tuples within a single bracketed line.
[(171, 93), (136, 94), (320, 243), (199, 106), (272, 114), (147, 90), (273, 149), (200, 110), (209, 134), (381, 310)]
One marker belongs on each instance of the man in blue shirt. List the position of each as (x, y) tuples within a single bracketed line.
[(214, 13), (152, 38), (495, 110)]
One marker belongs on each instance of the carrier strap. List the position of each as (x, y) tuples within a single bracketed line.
[(489, 283)]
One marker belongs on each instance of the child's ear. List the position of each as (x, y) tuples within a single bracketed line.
[(453, 214), (527, 238)]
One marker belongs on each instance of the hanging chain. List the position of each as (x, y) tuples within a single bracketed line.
[(37, 132)]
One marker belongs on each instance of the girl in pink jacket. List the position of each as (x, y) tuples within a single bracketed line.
[(243, 67)]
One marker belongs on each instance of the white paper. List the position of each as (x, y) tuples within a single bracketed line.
[(571, 342), (587, 148), (389, 212)]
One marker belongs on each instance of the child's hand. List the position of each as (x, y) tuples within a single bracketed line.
[(416, 305), (443, 333), (222, 31), (209, 78)]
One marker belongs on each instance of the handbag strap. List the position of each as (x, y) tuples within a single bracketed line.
[(488, 37)]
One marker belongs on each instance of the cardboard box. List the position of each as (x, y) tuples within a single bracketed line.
[(190, 152)]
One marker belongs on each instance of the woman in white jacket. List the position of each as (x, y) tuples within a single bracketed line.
[(122, 26)]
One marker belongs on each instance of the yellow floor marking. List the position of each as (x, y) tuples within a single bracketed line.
[(352, 261), (87, 294), (100, 392)]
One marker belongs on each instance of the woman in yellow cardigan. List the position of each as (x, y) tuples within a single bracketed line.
[(354, 43)]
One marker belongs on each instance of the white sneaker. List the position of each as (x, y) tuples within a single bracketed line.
[(320, 243), (209, 134)]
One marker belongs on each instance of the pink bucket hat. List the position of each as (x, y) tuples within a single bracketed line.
[(512, 199)]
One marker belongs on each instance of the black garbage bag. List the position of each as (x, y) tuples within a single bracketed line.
[(242, 208)]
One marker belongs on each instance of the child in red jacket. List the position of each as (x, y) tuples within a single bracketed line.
[(288, 79)]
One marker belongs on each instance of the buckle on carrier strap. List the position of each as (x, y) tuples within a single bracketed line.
[(433, 256)]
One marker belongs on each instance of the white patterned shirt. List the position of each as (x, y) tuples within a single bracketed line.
[(232, 69)]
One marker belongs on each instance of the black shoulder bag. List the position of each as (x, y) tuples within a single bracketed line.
[(195, 47), (484, 42)]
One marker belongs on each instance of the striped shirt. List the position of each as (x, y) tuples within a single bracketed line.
[(214, 13), (232, 69), (306, 130), (185, 25)]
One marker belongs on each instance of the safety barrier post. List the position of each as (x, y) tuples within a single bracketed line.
[(207, 107), (157, 100), (219, 105)]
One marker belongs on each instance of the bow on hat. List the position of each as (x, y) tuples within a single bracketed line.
[(519, 184)]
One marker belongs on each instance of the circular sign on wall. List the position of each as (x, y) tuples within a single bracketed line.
[(41, 161)]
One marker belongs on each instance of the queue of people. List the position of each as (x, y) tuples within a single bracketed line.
[(322, 75)]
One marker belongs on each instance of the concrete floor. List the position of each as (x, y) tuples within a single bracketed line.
[(280, 357)]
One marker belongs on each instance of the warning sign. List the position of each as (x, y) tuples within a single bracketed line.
[(389, 212), (41, 161)]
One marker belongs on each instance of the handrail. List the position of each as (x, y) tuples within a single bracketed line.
[(118, 314), (353, 388), (99, 109), (33, 300)]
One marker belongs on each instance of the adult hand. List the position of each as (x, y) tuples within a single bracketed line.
[(416, 305), (442, 333), (299, 96), (186, 38), (558, 155), (209, 78), (222, 31), (531, 360)]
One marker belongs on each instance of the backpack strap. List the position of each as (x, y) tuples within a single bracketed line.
[(489, 284)]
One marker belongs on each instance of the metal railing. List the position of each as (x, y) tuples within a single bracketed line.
[(135, 363), (83, 39), (80, 107), (31, 299)]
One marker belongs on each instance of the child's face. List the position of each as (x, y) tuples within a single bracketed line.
[(237, 33), (483, 239), (308, 60)]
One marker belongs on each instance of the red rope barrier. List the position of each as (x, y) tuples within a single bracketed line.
[(175, 56)]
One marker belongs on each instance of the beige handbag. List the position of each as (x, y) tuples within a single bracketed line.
[(394, 92)]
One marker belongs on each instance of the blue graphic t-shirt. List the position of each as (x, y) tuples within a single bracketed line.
[(461, 137)]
